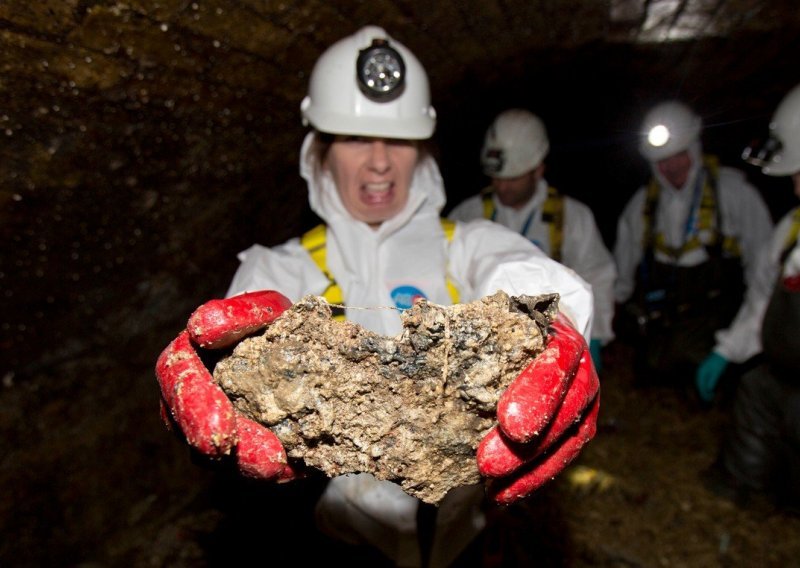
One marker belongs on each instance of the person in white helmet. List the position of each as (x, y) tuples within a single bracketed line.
[(761, 452), (383, 244), (519, 197), (686, 249)]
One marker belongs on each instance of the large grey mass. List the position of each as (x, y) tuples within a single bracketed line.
[(410, 409)]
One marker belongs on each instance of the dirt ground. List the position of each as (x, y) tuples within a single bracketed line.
[(93, 479)]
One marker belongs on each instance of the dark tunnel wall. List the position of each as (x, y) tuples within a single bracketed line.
[(145, 143)]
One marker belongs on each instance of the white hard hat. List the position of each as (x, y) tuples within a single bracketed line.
[(367, 84), (668, 129), (515, 143), (784, 130)]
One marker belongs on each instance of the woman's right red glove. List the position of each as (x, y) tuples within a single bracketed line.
[(197, 406), (545, 416)]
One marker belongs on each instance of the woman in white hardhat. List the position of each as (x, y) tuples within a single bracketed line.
[(686, 250), (389, 96), (762, 447), (521, 199), (383, 244)]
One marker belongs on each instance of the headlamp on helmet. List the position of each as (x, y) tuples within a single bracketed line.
[(381, 70), (493, 161), (762, 153), (368, 84), (515, 143), (668, 128), (658, 136), (780, 155)]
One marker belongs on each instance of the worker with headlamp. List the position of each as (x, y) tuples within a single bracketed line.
[(761, 451), (686, 250)]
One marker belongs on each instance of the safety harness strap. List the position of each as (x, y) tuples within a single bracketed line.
[(449, 228), (488, 204), (708, 219), (791, 238), (553, 215)]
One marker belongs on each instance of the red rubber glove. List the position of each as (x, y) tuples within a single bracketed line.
[(193, 402), (544, 418)]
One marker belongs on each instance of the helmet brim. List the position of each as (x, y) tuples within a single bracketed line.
[(420, 128)]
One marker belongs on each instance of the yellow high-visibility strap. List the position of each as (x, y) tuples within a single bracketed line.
[(553, 214), (488, 207), (449, 228), (791, 238), (315, 242), (706, 218)]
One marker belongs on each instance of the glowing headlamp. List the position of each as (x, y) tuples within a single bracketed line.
[(658, 136), (381, 71)]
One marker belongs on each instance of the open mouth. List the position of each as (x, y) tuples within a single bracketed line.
[(377, 193)]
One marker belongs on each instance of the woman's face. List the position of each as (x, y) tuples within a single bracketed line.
[(372, 175)]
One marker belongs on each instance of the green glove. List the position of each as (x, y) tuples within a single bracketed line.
[(595, 348), (708, 374)]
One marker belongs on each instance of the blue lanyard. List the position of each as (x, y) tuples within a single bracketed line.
[(525, 226), (691, 220)]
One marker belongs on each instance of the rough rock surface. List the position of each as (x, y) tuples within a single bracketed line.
[(411, 409)]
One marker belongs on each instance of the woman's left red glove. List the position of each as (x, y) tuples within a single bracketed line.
[(544, 417), (197, 406)]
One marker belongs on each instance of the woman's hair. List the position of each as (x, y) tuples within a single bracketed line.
[(320, 148), (323, 141)]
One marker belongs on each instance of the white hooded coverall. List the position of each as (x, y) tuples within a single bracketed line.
[(582, 246), (404, 257)]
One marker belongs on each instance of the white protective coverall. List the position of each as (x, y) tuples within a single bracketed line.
[(742, 339), (407, 253), (582, 248), (742, 211)]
